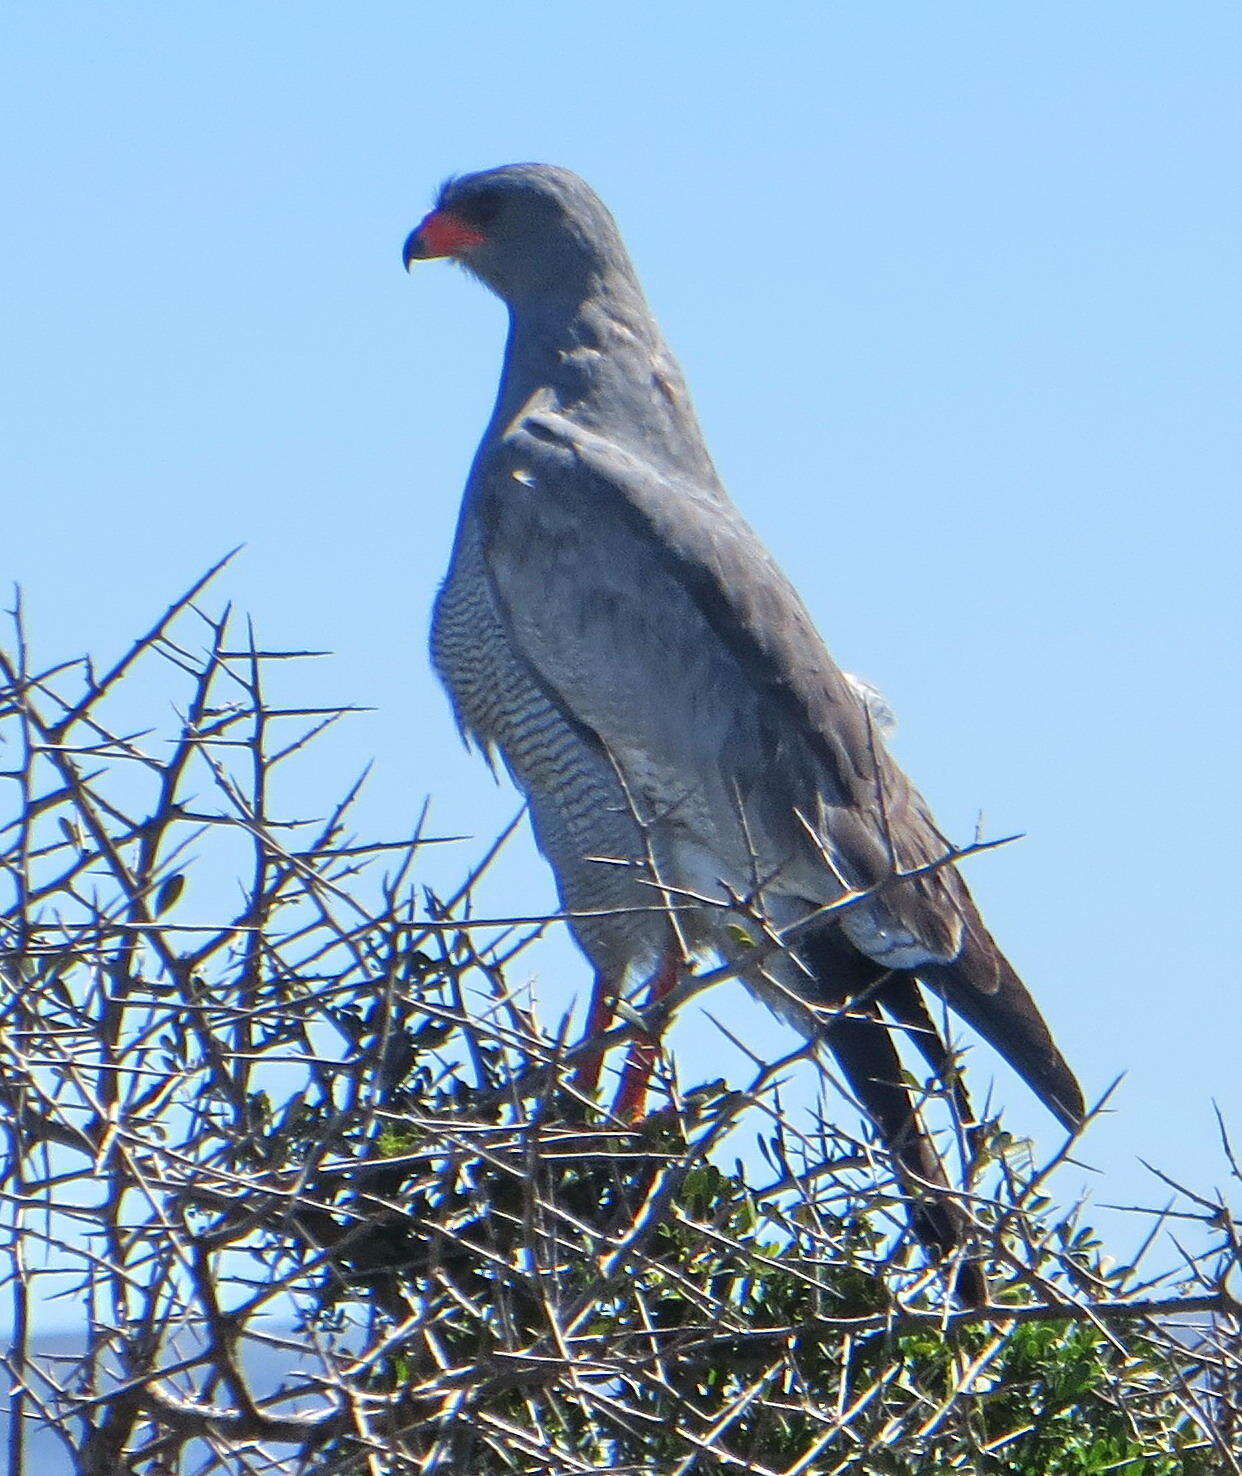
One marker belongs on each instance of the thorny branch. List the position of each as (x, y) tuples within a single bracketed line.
[(305, 1183)]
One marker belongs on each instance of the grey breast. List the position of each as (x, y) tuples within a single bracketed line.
[(580, 813)]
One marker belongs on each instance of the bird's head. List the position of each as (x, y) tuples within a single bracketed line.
[(527, 230)]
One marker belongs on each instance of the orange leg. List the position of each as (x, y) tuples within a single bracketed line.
[(599, 1018), (631, 1100)]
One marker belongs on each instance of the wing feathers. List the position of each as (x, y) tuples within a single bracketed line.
[(613, 572), (683, 539)]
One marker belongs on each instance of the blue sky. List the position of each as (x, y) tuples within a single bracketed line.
[(956, 288)]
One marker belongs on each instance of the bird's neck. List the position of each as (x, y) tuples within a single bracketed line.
[(598, 358)]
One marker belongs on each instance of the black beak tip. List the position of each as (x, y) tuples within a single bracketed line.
[(412, 251)]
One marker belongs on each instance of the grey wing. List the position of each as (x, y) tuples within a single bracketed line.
[(660, 622), (650, 612)]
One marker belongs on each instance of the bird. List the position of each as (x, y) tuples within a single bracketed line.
[(699, 772)]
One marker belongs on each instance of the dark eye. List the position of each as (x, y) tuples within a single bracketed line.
[(480, 209)]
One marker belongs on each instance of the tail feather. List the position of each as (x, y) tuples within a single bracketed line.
[(903, 1000), (867, 1055), (982, 986)]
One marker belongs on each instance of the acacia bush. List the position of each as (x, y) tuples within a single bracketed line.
[(304, 1183)]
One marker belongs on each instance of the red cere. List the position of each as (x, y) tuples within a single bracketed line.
[(445, 234)]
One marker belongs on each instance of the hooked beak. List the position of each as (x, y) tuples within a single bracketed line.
[(441, 234)]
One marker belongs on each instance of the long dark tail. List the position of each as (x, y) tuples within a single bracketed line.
[(982, 986), (867, 1055)]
